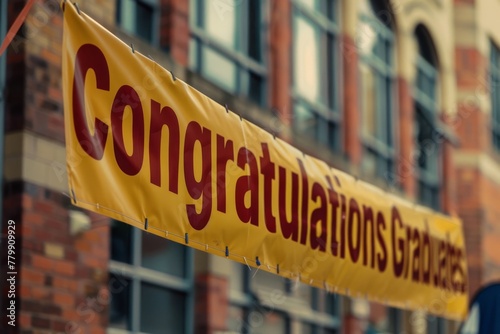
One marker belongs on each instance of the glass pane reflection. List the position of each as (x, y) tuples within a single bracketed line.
[(119, 308), (121, 242), (162, 310), (163, 255)]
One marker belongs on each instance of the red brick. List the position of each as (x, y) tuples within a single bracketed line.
[(211, 300), (24, 320), (44, 207), (94, 262), (32, 276), (97, 330), (24, 289), (27, 202), (51, 57), (471, 68), (174, 21), (64, 299), (27, 231), (405, 164), (40, 293), (33, 218), (64, 267), (280, 60), (66, 284), (40, 322), (39, 261)]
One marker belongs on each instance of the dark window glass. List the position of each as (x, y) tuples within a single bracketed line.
[(138, 17), (495, 95), (121, 242), (435, 325), (254, 32), (143, 19), (427, 138), (162, 310), (163, 255), (394, 320), (120, 307)]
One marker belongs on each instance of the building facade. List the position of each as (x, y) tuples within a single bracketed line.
[(402, 94)]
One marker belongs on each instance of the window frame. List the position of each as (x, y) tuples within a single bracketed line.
[(427, 109), (383, 149), (329, 29), (247, 299), (244, 64), (138, 275), (494, 81), (440, 327), (155, 24)]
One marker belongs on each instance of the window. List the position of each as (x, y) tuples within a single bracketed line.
[(375, 43), (427, 135), (150, 282), (436, 325), (394, 317), (139, 17), (227, 45), (495, 95), (268, 303), (315, 71)]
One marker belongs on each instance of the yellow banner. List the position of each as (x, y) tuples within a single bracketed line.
[(147, 149)]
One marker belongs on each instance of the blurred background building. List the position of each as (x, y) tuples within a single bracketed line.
[(403, 94)]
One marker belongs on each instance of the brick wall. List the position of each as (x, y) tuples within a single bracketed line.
[(476, 191), (62, 279), (211, 303), (174, 29)]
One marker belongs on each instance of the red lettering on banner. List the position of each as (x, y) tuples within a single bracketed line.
[(305, 203), (247, 185), (127, 97), (343, 216), (398, 245), (289, 227), (202, 188), (426, 261), (225, 153), (381, 257), (318, 219), (333, 198), (368, 222), (161, 117), (89, 57), (416, 263), (267, 169), (354, 218)]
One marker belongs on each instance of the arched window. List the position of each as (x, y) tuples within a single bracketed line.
[(375, 43), (426, 133)]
